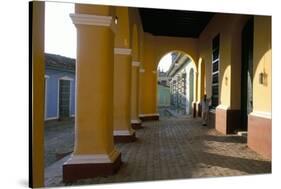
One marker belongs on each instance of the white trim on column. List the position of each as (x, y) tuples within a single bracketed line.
[(142, 70), (123, 51), (96, 158), (123, 132), (135, 121), (89, 19), (147, 115), (223, 107), (266, 115), (135, 63), (154, 71)]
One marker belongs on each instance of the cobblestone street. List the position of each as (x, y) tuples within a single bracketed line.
[(59, 140), (174, 148)]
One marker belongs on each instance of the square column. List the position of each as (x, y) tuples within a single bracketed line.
[(135, 121), (123, 131), (94, 152), (149, 95)]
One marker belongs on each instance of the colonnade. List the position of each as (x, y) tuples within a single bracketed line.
[(116, 87)]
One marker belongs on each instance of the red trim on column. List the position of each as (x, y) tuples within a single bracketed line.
[(149, 118), (74, 172), (260, 135), (125, 138), (136, 126)]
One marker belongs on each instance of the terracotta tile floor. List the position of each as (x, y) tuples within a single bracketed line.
[(175, 148)]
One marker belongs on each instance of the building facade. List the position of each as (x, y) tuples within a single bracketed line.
[(181, 81), (59, 87), (163, 89)]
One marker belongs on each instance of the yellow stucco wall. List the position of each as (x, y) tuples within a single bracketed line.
[(122, 92), (212, 29), (230, 56), (262, 62), (201, 88), (155, 47), (148, 79), (122, 34), (136, 31)]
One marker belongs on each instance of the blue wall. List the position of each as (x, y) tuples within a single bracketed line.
[(52, 92)]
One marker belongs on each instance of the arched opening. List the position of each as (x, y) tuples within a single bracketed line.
[(175, 84)]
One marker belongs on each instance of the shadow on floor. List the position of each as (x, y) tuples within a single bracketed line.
[(227, 139), (249, 166)]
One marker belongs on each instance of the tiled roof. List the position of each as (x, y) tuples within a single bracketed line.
[(58, 62)]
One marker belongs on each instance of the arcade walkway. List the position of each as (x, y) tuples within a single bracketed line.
[(175, 148)]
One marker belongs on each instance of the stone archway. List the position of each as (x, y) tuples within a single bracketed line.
[(180, 81)]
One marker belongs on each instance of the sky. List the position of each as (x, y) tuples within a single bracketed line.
[(165, 62), (60, 32)]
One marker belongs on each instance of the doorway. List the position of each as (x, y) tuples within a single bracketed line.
[(64, 99), (247, 73)]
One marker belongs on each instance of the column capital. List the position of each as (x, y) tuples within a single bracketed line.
[(123, 51), (94, 20), (136, 63)]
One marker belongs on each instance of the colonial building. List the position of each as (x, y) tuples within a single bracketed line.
[(163, 78), (181, 79), (118, 51), (59, 87)]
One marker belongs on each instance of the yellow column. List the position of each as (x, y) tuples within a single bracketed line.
[(200, 86), (135, 121), (37, 9), (94, 152), (149, 95), (122, 96)]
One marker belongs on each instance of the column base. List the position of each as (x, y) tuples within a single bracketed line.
[(90, 166), (260, 134), (194, 109), (227, 120), (136, 124), (198, 109), (124, 136), (149, 117), (212, 119)]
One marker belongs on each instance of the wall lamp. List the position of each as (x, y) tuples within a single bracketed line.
[(116, 19), (262, 78), (226, 80)]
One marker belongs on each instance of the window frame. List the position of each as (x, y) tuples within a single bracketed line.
[(215, 49)]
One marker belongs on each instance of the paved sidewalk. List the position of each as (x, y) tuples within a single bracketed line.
[(174, 149)]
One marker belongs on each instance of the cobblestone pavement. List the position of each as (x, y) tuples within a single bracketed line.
[(59, 140), (175, 149)]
